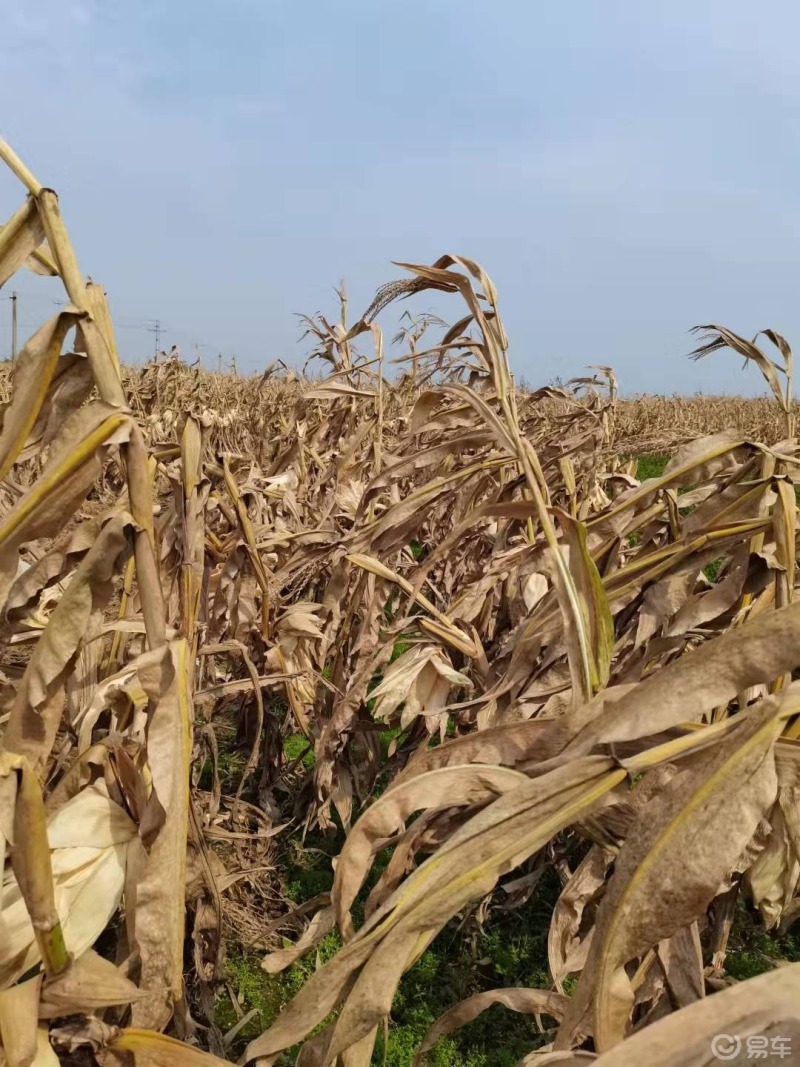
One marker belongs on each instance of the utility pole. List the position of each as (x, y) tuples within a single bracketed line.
[(13, 326), (156, 329)]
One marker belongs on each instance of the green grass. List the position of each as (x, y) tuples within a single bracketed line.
[(307, 874), (400, 646), (253, 989), (753, 951), (512, 951), (711, 570), (266, 994), (294, 745), (418, 550), (650, 467), (231, 762)]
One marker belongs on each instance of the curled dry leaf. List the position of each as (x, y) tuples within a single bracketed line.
[(530, 1001), (764, 1009)]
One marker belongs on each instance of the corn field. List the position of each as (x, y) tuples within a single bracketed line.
[(236, 407), (503, 651)]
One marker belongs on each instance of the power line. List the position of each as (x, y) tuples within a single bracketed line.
[(155, 326)]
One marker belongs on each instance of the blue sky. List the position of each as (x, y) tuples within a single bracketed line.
[(623, 170)]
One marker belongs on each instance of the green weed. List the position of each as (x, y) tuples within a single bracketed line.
[(753, 951), (294, 746), (650, 467)]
